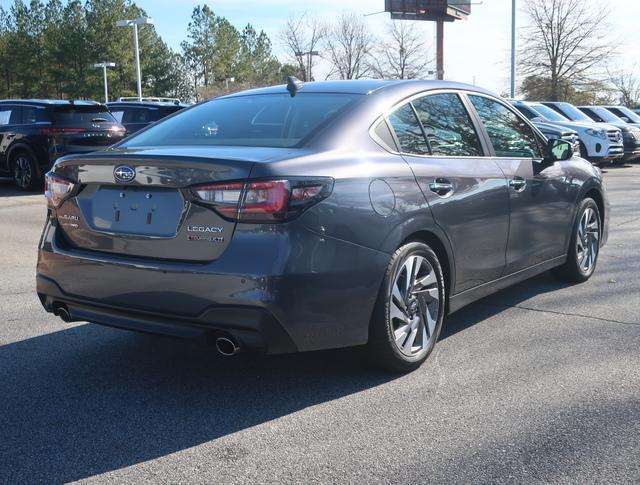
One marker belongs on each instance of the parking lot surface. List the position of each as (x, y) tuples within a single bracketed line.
[(537, 383)]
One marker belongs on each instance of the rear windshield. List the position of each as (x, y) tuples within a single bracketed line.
[(80, 115), (264, 120)]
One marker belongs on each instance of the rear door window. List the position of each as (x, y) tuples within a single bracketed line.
[(448, 126), (510, 135), (34, 114), (408, 131)]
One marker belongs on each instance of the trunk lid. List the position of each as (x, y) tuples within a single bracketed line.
[(152, 215)]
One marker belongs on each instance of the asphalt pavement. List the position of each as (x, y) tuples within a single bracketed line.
[(539, 383)]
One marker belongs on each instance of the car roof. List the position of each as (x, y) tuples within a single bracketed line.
[(147, 104), (365, 87), (51, 102)]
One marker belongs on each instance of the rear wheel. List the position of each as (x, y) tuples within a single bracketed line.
[(24, 171), (409, 311), (585, 245)]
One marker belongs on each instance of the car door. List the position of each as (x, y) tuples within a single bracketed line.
[(9, 120), (541, 195), (466, 191)]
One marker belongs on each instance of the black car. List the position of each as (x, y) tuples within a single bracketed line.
[(136, 115), (34, 133), (316, 216)]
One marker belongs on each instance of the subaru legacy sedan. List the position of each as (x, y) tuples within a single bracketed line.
[(315, 216)]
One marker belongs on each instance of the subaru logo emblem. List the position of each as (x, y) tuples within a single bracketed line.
[(124, 174)]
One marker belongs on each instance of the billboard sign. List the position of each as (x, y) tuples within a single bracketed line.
[(448, 10)]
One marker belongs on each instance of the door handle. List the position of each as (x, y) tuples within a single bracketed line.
[(441, 187), (518, 184)]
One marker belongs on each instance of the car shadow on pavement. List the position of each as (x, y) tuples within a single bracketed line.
[(88, 400), (500, 301)]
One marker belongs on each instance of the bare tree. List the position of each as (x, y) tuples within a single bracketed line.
[(348, 43), (627, 85), (300, 36), (564, 43), (403, 55)]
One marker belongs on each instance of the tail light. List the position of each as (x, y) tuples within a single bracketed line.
[(264, 200), (57, 189)]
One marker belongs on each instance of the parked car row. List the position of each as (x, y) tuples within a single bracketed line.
[(607, 134), (34, 133)]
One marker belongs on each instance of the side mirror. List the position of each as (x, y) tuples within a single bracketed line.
[(558, 150), (536, 119), (625, 119)]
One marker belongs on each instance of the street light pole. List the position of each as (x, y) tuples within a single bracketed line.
[(513, 49), (134, 23), (103, 66), (309, 55)]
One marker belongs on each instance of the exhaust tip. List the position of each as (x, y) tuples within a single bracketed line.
[(62, 312), (226, 346)]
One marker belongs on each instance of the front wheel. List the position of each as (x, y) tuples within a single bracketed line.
[(410, 308), (585, 245)]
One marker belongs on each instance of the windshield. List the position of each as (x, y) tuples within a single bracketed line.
[(260, 120), (628, 113), (80, 115), (573, 113), (547, 113), (605, 114)]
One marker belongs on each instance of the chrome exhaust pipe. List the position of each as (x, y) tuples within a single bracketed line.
[(226, 346), (62, 312)]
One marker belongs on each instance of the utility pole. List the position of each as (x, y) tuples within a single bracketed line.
[(513, 49), (134, 23), (440, 48), (103, 66)]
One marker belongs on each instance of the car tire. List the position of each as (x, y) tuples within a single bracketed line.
[(408, 315), (584, 247), (583, 151), (25, 172)]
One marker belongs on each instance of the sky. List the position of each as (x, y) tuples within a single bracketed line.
[(476, 50)]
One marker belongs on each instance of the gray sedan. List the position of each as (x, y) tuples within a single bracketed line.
[(320, 215)]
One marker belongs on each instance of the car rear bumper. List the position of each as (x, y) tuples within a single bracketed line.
[(277, 290)]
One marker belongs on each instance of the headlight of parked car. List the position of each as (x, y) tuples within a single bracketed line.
[(597, 133)]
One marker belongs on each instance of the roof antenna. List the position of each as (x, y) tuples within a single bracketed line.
[(294, 85)]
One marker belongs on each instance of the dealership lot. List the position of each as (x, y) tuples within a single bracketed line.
[(540, 382)]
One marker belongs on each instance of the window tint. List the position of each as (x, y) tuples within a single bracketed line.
[(510, 135), (530, 114), (447, 125), (408, 131), (74, 115), (268, 120), (33, 114), (118, 115)]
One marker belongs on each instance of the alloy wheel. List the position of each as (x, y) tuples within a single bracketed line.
[(414, 305), (22, 171), (588, 240)]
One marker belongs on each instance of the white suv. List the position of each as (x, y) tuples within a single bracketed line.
[(601, 143)]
